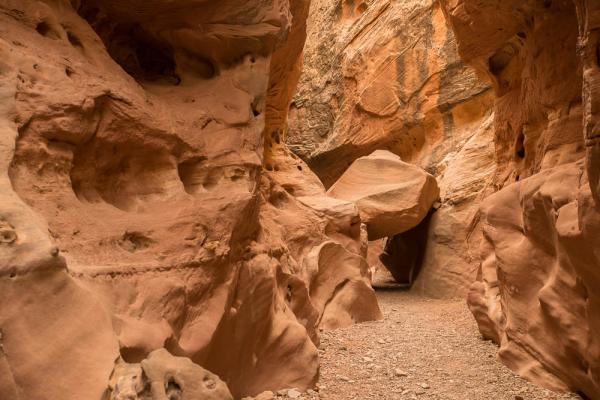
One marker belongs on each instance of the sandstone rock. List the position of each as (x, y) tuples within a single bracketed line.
[(162, 375), (392, 196), (150, 200), (454, 235), (341, 296), (536, 294), (386, 75), (536, 246), (147, 202), (376, 75), (343, 215)]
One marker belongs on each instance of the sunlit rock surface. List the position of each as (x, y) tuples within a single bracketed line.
[(392, 196), (387, 75)]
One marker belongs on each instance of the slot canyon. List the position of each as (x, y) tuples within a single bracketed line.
[(299, 199)]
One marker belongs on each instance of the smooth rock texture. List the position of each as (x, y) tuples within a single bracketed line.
[(158, 238), (387, 75), (148, 201), (538, 283), (531, 299), (392, 196)]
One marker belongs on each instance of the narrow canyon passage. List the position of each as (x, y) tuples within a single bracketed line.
[(194, 197), (424, 349)]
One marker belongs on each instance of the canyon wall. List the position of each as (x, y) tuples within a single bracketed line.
[(149, 202), (153, 214), (518, 130), (387, 75), (537, 292)]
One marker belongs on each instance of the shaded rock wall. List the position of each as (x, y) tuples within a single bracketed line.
[(387, 75), (537, 289), (141, 204)]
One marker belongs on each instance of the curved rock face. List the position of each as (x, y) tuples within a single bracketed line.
[(391, 195), (137, 213), (537, 292), (386, 75), (379, 74)]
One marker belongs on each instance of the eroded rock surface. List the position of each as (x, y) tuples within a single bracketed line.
[(148, 201), (378, 74), (531, 297), (386, 75), (392, 196), (537, 290)]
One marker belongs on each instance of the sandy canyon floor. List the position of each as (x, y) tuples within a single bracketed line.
[(423, 349)]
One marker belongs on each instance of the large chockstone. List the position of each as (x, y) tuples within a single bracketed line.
[(392, 196), (387, 75)]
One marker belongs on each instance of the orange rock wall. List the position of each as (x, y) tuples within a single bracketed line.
[(537, 290), (136, 213), (387, 75)]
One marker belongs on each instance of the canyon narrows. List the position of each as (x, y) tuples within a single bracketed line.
[(197, 197)]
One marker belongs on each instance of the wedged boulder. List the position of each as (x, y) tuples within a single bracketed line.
[(392, 196), (410, 109), (426, 106), (163, 376), (343, 218)]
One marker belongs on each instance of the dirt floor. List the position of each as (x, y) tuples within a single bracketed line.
[(423, 349)]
